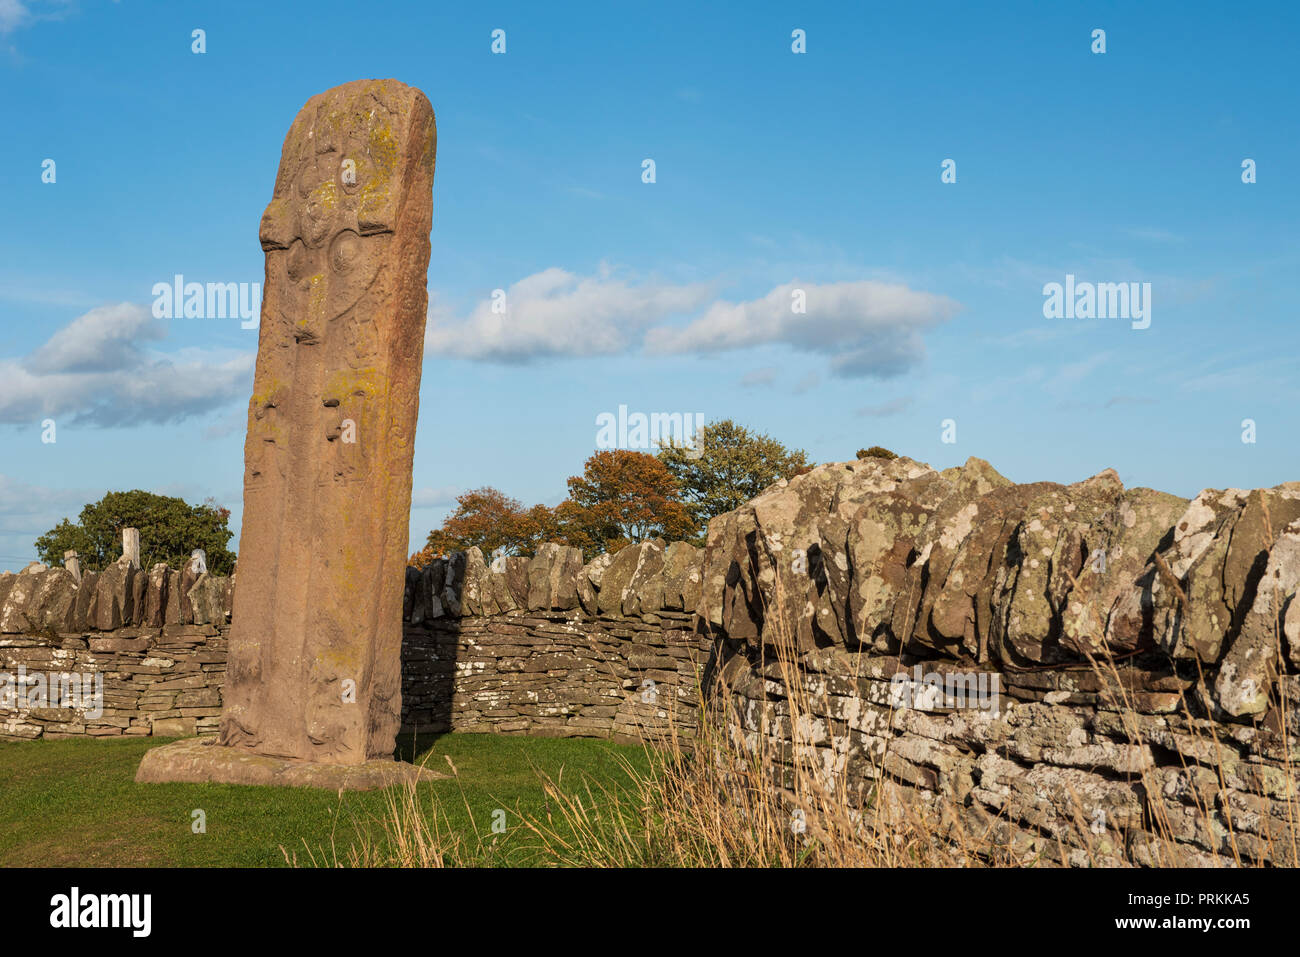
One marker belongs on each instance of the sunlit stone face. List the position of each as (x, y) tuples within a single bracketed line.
[(316, 633)]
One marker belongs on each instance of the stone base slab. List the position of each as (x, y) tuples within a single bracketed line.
[(202, 760)]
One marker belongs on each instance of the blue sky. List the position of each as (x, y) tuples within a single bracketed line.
[(774, 171)]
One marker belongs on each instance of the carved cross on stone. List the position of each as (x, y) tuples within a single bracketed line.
[(314, 673)]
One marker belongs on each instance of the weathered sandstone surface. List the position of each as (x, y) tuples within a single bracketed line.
[(315, 648)]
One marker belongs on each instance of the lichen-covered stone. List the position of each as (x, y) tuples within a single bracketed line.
[(17, 596), (84, 612), (642, 563), (314, 670), (153, 614), (1055, 537), (964, 564), (1250, 667), (644, 592), (207, 599), (553, 575), (681, 576), (52, 606), (7, 581), (115, 596)]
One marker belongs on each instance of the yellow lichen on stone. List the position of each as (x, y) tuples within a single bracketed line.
[(326, 195), (267, 392), (430, 147), (342, 660), (383, 149), (315, 300), (362, 382)]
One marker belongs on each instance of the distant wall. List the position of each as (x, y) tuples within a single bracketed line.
[(164, 683), (550, 646), (153, 644), (543, 646), (554, 674)]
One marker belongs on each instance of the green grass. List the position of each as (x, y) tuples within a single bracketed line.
[(74, 802)]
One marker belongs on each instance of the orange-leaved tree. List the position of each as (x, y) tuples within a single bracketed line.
[(490, 519), (622, 497)]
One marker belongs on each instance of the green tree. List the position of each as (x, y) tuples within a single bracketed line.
[(727, 465), (170, 529)]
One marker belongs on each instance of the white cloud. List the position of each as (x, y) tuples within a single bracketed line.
[(13, 14), (96, 371), (102, 340), (866, 328), (556, 313), (434, 497), (28, 506), (21, 13)]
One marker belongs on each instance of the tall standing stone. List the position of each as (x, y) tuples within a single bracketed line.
[(314, 672)]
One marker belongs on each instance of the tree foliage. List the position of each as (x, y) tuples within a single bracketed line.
[(624, 497), (490, 519), (727, 466), (876, 452), (170, 529), (621, 498)]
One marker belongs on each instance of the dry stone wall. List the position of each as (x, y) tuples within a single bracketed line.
[(542, 646), (120, 652), (1143, 653), (1080, 673), (549, 646)]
